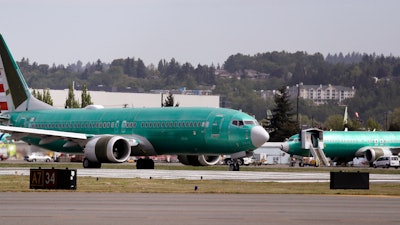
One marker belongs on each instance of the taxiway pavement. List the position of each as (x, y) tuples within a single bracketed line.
[(65, 208)]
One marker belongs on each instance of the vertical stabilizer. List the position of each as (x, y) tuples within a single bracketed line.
[(14, 92)]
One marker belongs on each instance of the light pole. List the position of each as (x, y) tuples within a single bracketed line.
[(297, 104)]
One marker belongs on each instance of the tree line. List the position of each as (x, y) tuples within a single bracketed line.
[(375, 78)]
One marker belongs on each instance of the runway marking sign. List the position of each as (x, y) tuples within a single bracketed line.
[(52, 179), (36, 178)]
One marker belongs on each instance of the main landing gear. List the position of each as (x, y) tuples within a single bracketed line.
[(235, 165)]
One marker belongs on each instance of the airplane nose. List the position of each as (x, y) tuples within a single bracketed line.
[(259, 136), (285, 146)]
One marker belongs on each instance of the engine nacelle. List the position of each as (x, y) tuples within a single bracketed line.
[(373, 154), (107, 149), (199, 160)]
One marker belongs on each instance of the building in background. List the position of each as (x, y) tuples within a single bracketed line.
[(319, 94), (136, 100)]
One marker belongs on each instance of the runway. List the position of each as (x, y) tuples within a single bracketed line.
[(69, 207), (64, 208), (246, 176)]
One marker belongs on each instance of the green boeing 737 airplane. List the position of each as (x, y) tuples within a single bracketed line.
[(198, 135), (343, 146)]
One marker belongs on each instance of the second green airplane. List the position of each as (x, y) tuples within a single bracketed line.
[(343, 146)]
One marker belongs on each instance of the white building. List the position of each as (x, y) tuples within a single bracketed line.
[(274, 155), (321, 94), (137, 100)]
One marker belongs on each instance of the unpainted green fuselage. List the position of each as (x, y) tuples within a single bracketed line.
[(345, 144), (170, 130)]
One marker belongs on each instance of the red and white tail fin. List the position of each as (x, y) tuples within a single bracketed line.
[(14, 92)]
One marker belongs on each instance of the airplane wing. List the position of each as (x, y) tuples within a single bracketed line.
[(46, 136), (62, 134), (395, 150)]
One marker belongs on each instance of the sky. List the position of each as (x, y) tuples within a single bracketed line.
[(196, 31)]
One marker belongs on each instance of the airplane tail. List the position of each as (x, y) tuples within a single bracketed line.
[(14, 92)]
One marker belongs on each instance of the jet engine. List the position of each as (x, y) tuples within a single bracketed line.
[(107, 149), (371, 154), (199, 160)]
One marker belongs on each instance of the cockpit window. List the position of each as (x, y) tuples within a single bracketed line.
[(240, 123), (250, 122)]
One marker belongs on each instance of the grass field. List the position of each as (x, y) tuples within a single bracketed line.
[(178, 166), (18, 183)]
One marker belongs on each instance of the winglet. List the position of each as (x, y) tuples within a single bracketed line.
[(14, 92)]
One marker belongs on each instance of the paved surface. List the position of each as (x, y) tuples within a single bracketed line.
[(65, 208), (211, 175), (62, 208)]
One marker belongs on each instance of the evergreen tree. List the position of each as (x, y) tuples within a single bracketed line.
[(39, 96), (99, 65), (282, 124), (71, 102), (47, 97), (373, 124), (141, 69), (169, 102), (335, 122), (162, 66), (85, 97), (35, 94)]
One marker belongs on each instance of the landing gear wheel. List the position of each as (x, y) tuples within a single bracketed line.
[(231, 167), (234, 167), (228, 161), (89, 164)]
